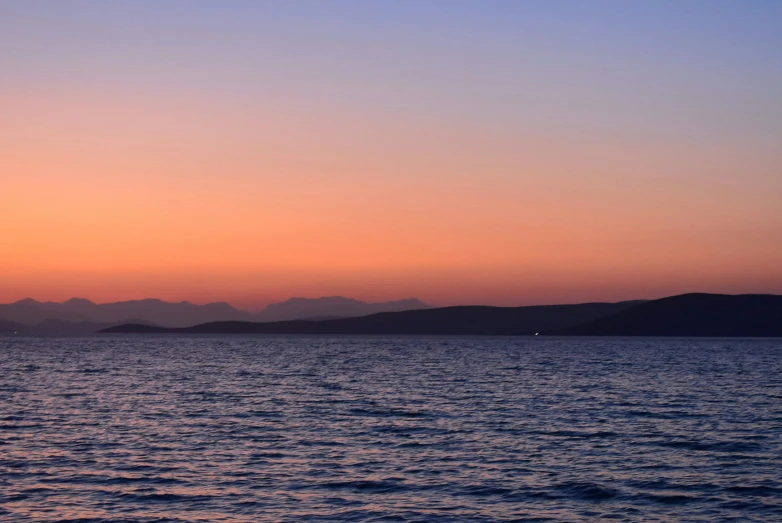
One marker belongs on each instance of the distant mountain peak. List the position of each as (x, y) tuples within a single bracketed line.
[(146, 300), (221, 305), (332, 306), (411, 301), (185, 313), (149, 310), (322, 299), (27, 301), (78, 301)]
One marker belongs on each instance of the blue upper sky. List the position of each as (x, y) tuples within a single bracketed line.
[(666, 67)]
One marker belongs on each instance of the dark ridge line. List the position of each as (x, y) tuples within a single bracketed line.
[(461, 319), (694, 314)]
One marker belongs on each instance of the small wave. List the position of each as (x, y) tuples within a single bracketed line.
[(416, 444), (716, 446), (268, 455), (124, 480), (37, 490), (319, 443), (274, 414), (113, 519), (673, 486), (485, 490), (20, 426), (158, 497), (579, 434), (648, 414), (388, 413), (93, 371), (747, 506), (365, 486), (758, 490), (671, 499), (587, 491)]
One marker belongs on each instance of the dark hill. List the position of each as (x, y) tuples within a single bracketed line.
[(10, 326), (463, 320), (52, 327), (692, 315), (331, 307)]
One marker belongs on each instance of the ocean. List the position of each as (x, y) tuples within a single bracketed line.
[(286, 428)]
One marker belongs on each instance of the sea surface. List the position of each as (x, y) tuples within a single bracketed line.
[(245, 429)]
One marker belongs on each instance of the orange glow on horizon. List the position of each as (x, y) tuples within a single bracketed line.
[(186, 198)]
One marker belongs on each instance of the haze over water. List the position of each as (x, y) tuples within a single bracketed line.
[(242, 429)]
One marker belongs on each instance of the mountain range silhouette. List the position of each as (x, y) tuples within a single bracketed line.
[(79, 315), (695, 314), (683, 315)]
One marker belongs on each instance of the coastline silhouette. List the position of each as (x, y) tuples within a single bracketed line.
[(682, 315)]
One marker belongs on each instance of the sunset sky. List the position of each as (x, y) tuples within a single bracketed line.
[(502, 152)]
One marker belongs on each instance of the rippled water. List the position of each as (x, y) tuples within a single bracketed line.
[(389, 429)]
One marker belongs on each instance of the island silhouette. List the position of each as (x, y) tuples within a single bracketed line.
[(682, 315)]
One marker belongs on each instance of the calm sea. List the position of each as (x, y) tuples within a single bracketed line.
[(245, 429)]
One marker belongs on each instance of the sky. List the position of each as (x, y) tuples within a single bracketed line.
[(504, 152)]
